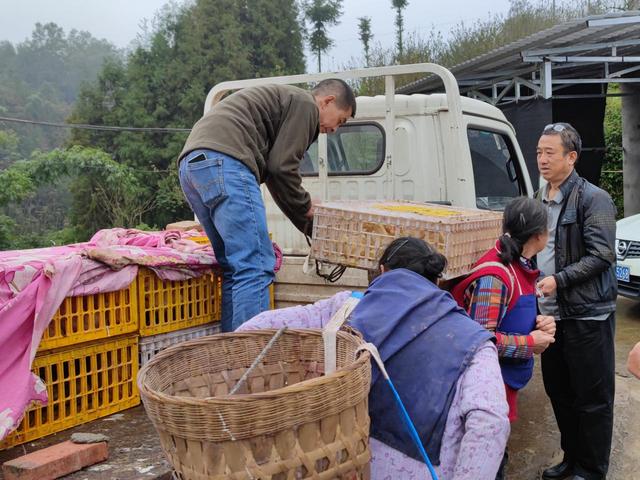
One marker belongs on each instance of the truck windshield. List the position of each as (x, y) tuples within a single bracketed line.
[(495, 171), (354, 149)]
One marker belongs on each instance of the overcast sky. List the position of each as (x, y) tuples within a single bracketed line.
[(119, 20)]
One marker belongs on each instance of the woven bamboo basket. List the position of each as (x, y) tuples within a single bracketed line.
[(288, 421), (355, 233)]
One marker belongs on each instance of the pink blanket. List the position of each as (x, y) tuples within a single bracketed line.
[(33, 284)]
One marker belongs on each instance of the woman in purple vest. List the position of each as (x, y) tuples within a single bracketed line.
[(500, 295), (443, 364)]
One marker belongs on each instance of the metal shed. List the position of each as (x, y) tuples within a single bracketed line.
[(562, 74)]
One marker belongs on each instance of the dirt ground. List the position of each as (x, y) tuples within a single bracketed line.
[(134, 448), (535, 442), (135, 451)]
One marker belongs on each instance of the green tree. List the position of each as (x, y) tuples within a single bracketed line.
[(84, 56), (40, 59), (16, 186), (399, 6), (40, 79), (469, 40), (275, 37), (119, 199), (364, 32), (161, 83), (17, 183), (8, 148), (321, 14), (611, 179), (7, 232), (417, 49), (64, 61), (164, 82)]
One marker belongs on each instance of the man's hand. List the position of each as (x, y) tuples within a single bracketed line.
[(546, 323), (541, 340), (547, 286), (633, 362)]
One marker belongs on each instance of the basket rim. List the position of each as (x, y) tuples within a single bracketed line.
[(247, 398)]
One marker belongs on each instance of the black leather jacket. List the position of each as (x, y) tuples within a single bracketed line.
[(584, 250)]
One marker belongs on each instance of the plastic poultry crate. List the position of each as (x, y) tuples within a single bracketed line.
[(92, 317), (150, 346), (84, 382), (166, 306)]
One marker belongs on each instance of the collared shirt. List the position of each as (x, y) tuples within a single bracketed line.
[(547, 257)]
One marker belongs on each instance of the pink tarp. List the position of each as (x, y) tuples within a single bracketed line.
[(33, 284)]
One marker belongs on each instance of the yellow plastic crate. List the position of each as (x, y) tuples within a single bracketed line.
[(84, 382), (204, 240), (165, 306), (272, 293), (92, 317)]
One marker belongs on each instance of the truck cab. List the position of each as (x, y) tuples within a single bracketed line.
[(489, 163)]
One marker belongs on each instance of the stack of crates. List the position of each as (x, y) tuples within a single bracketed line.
[(88, 359), (90, 354), (204, 240), (171, 312)]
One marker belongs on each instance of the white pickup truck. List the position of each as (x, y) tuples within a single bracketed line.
[(440, 148)]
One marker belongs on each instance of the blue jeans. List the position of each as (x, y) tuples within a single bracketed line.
[(226, 198)]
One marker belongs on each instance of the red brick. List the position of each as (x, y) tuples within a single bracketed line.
[(55, 461)]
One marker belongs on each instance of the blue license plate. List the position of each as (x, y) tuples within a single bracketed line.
[(622, 273)]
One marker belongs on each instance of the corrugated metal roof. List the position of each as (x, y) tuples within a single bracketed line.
[(507, 61)]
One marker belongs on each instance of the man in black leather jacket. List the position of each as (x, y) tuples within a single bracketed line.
[(579, 289)]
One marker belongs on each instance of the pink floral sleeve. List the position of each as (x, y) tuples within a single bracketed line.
[(315, 315), (475, 434), (482, 405)]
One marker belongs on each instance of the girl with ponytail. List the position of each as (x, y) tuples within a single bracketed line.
[(500, 295)]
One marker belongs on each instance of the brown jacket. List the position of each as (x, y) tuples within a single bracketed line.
[(268, 128)]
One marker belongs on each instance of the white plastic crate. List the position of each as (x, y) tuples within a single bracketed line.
[(149, 346)]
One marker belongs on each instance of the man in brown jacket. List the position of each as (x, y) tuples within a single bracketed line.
[(256, 135)]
